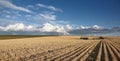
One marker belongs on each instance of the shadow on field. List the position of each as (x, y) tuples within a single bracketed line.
[(4, 37)]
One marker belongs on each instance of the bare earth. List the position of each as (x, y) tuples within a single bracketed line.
[(60, 48)]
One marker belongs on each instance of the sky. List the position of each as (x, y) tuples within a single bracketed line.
[(64, 17)]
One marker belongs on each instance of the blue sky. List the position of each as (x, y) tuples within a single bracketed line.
[(58, 15)]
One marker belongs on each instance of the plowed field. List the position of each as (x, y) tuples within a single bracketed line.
[(60, 48)]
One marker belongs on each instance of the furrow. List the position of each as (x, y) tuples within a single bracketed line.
[(78, 47), (114, 51), (100, 53), (81, 56), (113, 57)]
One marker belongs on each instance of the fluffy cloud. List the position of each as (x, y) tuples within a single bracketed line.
[(54, 29), (47, 27), (96, 27), (17, 27), (49, 7), (93, 27), (69, 27), (8, 4), (84, 27)]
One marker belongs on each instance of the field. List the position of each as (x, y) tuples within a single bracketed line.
[(59, 48)]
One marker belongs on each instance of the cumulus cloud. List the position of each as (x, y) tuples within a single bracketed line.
[(54, 29), (8, 4), (84, 27), (96, 27), (47, 27), (69, 27), (93, 27), (49, 7), (17, 27)]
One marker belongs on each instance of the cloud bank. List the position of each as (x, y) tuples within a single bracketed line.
[(55, 29), (45, 28)]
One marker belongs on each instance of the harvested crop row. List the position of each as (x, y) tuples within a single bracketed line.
[(99, 53), (115, 52), (56, 52), (83, 56), (107, 52), (113, 57)]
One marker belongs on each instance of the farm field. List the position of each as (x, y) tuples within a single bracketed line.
[(59, 48)]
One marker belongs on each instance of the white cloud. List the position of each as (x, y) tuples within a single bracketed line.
[(8, 16), (96, 27), (69, 27), (45, 16), (30, 6), (14, 27), (49, 7), (6, 12), (1, 28), (31, 28), (8, 4), (48, 16), (28, 15), (93, 27), (84, 27), (17, 27), (47, 27), (17, 13)]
